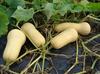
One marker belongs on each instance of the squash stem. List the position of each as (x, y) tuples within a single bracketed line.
[(23, 71), (43, 56), (76, 60)]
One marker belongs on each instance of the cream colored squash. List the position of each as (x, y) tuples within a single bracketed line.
[(67, 36), (33, 34), (15, 41), (83, 28)]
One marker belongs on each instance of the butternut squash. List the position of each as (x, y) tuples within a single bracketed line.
[(33, 34), (15, 41), (67, 36), (83, 28)]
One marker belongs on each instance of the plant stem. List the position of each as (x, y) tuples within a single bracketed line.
[(76, 60), (93, 65), (43, 56), (18, 25), (34, 68), (84, 47), (84, 61), (81, 72), (27, 52), (94, 37), (7, 69), (23, 71)]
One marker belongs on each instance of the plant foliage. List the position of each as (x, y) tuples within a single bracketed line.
[(23, 10)]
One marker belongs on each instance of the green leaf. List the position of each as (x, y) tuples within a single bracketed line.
[(22, 14), (64, 8), (93, 7), (15, 3), (6, 10), (84, 2), (56, 1), (3, 9), (55, 17), (49, 10), (3, 23), (38, 4), (62, 1), (77, 8)]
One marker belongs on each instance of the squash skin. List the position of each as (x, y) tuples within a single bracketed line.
[(67, 36), (83, 28), (33, 34), (15, 40)]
